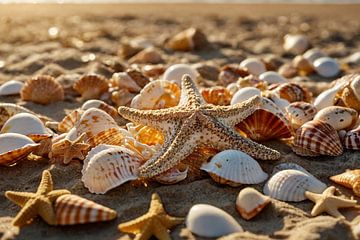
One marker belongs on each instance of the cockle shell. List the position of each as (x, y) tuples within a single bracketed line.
[(317, 138), (250, 202), (299, 113), (287, 166), (175, 73), (351, 139), (11, 87), (253, 65), (216, 95), (42, 89), (15, 147), (173, 175), (233, 167), (338, 117), (94, 103), (326, 67), (187, 40), (296, 44), (312, 54), (349, 179), (244, 94), (91, 86), (272, 77), (350, 94), (208, 221), (145, 134), (293, 92), (71, 209), (290, 185)]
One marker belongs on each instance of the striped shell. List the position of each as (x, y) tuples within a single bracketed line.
[(349, 179), (145, 134), (91, 86), (290, 185), (338, 117), (71, 209), (42, 89), (69, 121), (187, 40), (350, 94), (233, 167), (317, 138), (351, 139), (250, 202), (111, 136), (94, 103), (293, 92), (299, 113), (11, 87), (173, 175), (216, 95)]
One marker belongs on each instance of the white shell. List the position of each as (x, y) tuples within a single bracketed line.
[(175, 73), (99, 148), (289, 165), (209, 221), (353, 58), (11, 87), (173, 175), (338, 117), (232, 88), (312, 54), (290, 185), (296, 44), (25, 124), (250, 202), (326, 98), (281, 103), (235, 166), (327, 67), (272, 77), (244, 94), (253, 65), (122, 80)]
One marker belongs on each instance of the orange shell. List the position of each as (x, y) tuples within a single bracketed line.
[(16, 155), (251, 202), (148, 55), (69, 121), (146, 134), (42, 89), (91, 86), (216, 95), (349, 179), (293, 93), (110, 136)]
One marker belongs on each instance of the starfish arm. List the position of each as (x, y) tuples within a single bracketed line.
[(160, 231), (28, 212), (145, 232), (317, 209), (171, 222), (312, 196), (342, 202), (46, 184), (20, 198), (334, 212), (134, 226), (46, 211), (190, 95), (53, 195), (156, 206)]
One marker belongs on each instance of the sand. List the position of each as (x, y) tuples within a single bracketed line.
[(236, 31)]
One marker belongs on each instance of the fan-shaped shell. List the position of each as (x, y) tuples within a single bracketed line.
[(272, 77), (91, 86), (216, 95), (352, 139), (293, 92), (338, 117), (296, 44), (349, 179), (234, 168), (253, 65), (145, 134), (94, 103), (299, 113), (71, 209), (175, 73), (290, 185), (42, 89), (11, 87), (289, 165), (250, 202), (69, 121), (173, 175), (326, 67)]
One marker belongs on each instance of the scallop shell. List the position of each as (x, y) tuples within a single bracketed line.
[(272, 77), (299, 113), (253, 65), (91, 86), (326, 67), (293, 93), (233, 167), (111, 136), (216, 95), (71, 209), (148, 55), (11, 87), (250, 202), (122, 80), (290, 185), (15, 147), (208, 221), (338, 117), (349, 179), (94, 103), (350, 94), (175, 73), (244, 94), (42, 89), (173, 175), (317, 138), (296, 44), (69, 121), (187, 40), (312, 54), (145, 134), (352, 139)]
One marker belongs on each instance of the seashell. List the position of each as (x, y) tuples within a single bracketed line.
[(234, 168), (326, 67), (231, 73), (250, 202), (244, 94), (173, 175), (253, 66), (148, 55), (91, 86), (349, 179), (296, 44), (351, 140), (138, 77), (208, 221), (95, 150), (175, 73), (290, 185), (287, 166), (252, 81), (156, 95), (111, 136), (216, 95), (123, 81), (12, 87), (69, 121), (153, 71), (142, 150), (128, 49), (317, 138), (303, 65), (110, 168), (187, 40), (299, 113), (272, 77), (312, 54), (338, 117), (122, 97), (287, 70), (232, 88), (279, 102), (94, 103), (350, 94), (293, 92), (327, 97), (42, 89), (15, 147), (71, 210), (208, 72), (8, 110), (145, 134)]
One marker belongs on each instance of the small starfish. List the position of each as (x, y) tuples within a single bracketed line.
[(195, 123), (328, 202), (155, 222), (70, 150), (39, 203)]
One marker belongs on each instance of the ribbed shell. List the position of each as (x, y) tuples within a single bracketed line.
[(290, 185), (287, 166), (250, 202), (293, 92), (91, 86), (349, 179), (234, 168), (352, 139), (317, 138), (299, 113), (94, 103), (69, 121), (71, 209), (216, 95), (112, 136), (42, 89), (338, 117), (11, 87), (145, 134)]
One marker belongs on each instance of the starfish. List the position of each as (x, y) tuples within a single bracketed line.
[(39, 203), (328, 202), (70, 150), (195, 123), (155, 222)]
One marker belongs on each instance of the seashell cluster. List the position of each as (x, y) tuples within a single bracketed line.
[(250, 202), (349, 179)]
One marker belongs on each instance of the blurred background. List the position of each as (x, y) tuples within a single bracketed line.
[(182, 1)]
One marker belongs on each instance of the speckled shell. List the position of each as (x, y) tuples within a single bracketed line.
[(69, 121), (272, 77), (293, 92), (234, 168), (175, 73), (250, 202), (317, 138), (94, 103), (173, 175), (338, 117), (208, 221), (351, 139), (187, 40), (122, 80), (244, 94), (299, 113), (349, 179), (11, 87), (216, 95), (296, 44), (15, 147), (290, 185), (71, 210), (350, 94), (253, 65), (42, 89), (145, 134), (326, 67), (91, 86)]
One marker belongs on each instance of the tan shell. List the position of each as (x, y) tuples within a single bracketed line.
[(350, 94), (153, 71), (173, 175), (293, 92), (42, 89), (349, 179), (252, 81), (91, 86), (69, 121), (122, 97), (250, 202), (287, 70), (299, 113), (296, 44), (111, 136), (303, 65), (216, 95), (94, 103), (187, 40), (148, 55), (231, 73), (122, 80), (338, 117)]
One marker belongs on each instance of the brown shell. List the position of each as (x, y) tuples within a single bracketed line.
[(122, 97), (91, 86), (42, 89), (293, 92), (216, 95), (231, 73), (288, 70), (148, 55), (349, 179), (208, 72), (153, 71), (187, 40), (69, 121), (303, 65), (252, 81), (299, 113), (138, 77)]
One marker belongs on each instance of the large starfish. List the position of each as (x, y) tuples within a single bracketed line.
[(155, 222), (194, 123), (328, 202), (39, 203)]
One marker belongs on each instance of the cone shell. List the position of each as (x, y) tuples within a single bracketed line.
[(349, 179), (299, 113), (293, 92), (350, 94), (11, 87), (173, 175), (290, 185), (145, 134), (71, 209), (338, 117), (216, 95), (352, 139), (187, 40), (250, 202), (42, 89), (91, 86), (317, 138), (233, 167)]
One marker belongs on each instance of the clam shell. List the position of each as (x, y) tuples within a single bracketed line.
[(299, 113), (95, 150), (71, 209), (8, 110), (349, 179), (290, 185), (244, 94), (326, 67), (312, 54), (253, 65), (352, 139), (233, 167), (289, 165), (208, 221), (272, 77), (296, 44), (12, 87), (173, 175), (250, 202), (187, 40), (293, 92), (91, 86), (175, 73), (122, 80), (216, 95), (338, 117)]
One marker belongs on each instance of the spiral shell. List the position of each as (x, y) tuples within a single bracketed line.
[(293, 92), (42, 89), (352, 139), (299, 113), (11, 87), (338, 117), (91, 86), (250, 202), (349, 179), (216, 95), (187, 40)]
